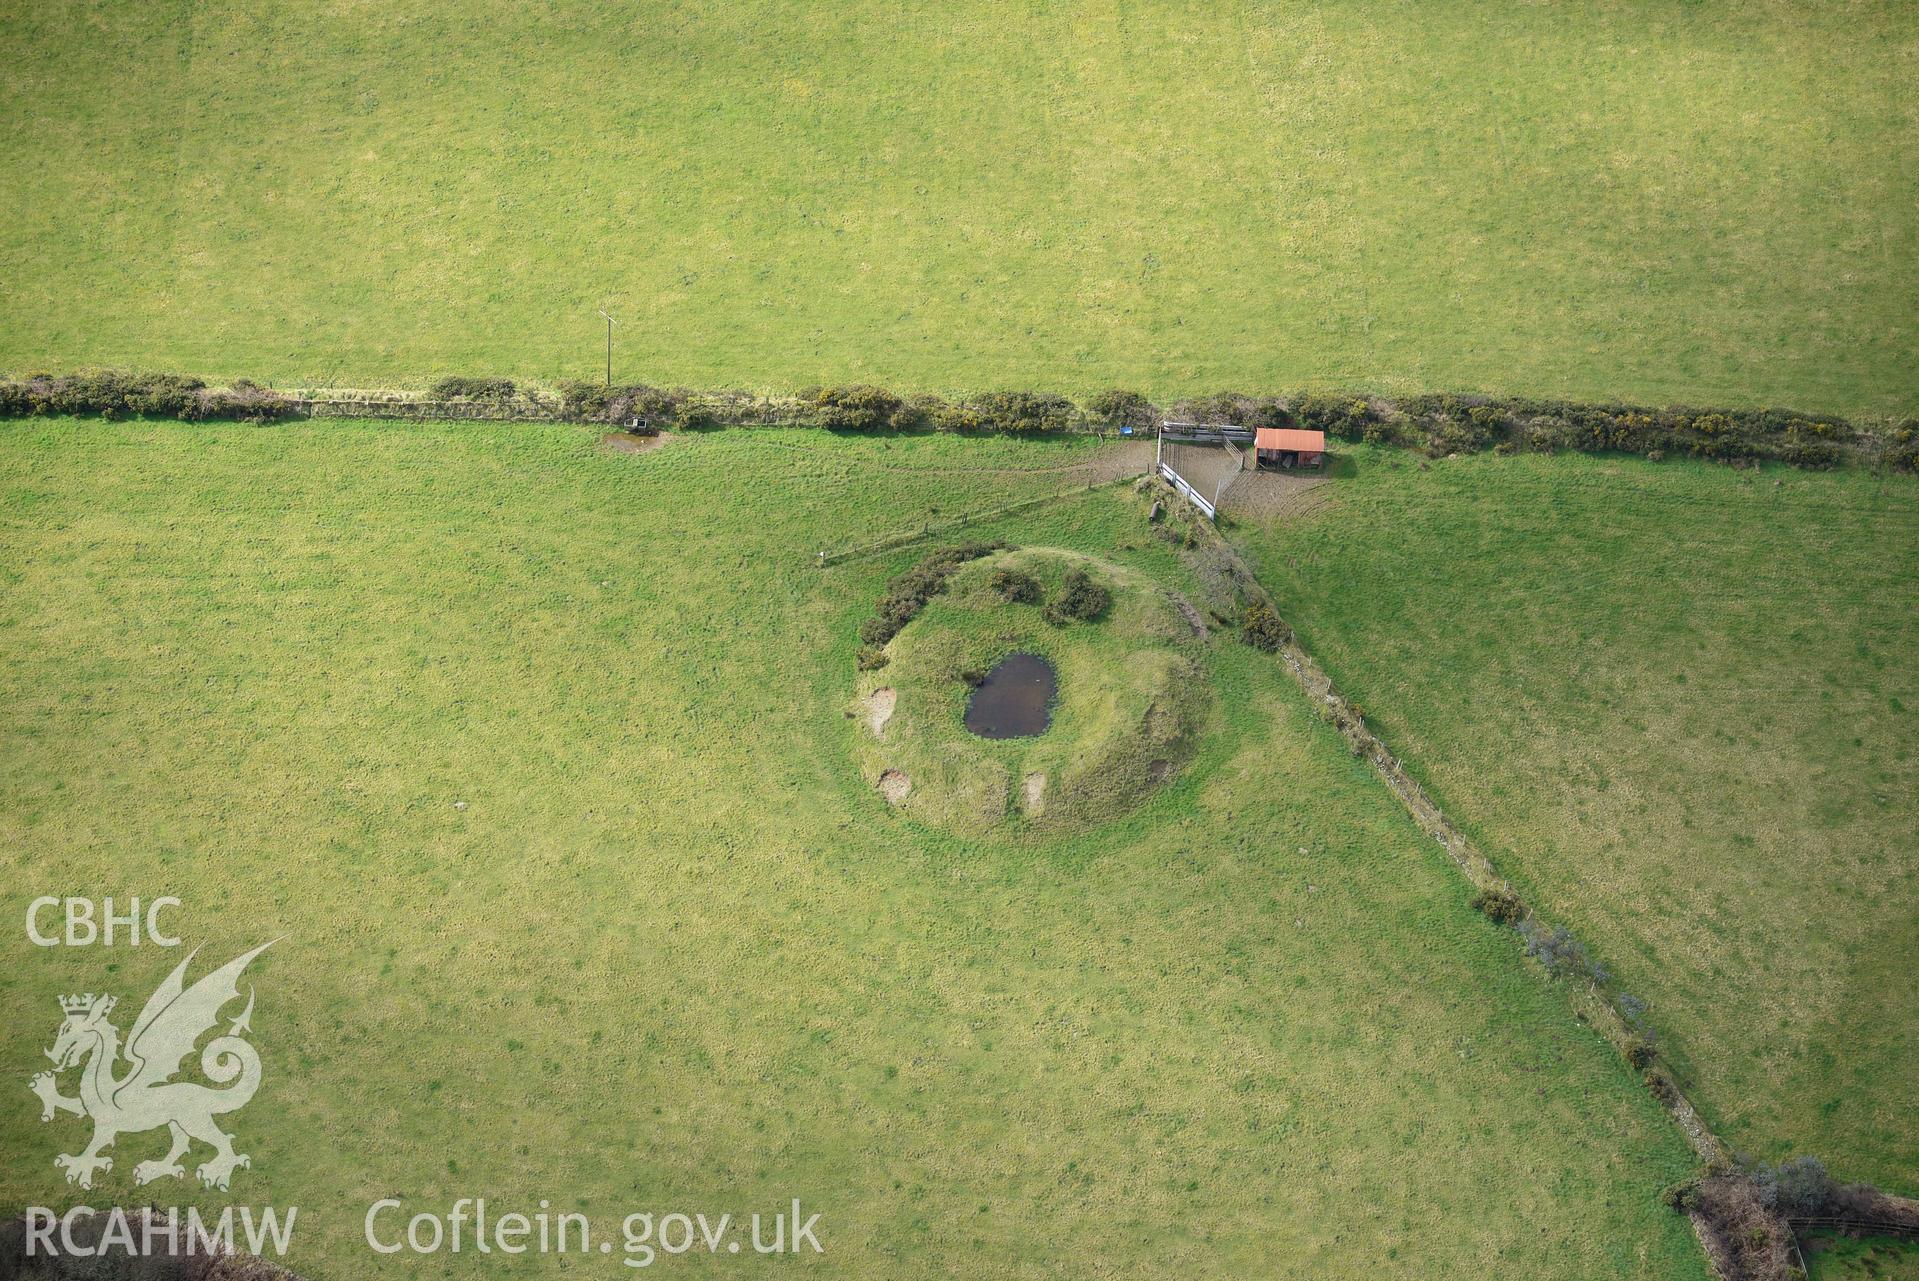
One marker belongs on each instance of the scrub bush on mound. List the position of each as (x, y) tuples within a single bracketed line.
[(1080, 599), (1016, 587)]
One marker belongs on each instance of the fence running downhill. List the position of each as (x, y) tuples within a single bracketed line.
[(965, 520)]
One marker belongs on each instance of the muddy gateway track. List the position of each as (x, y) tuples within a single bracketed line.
[(1266, 498)]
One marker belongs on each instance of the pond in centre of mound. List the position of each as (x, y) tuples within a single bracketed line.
[(1015, 700)]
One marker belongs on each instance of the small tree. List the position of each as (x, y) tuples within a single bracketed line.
[(1500, 905), (1563, 955), (1796, 1188)]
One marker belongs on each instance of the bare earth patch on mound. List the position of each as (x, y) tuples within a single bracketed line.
[(879, 709), (894, 786), (1035, 793)]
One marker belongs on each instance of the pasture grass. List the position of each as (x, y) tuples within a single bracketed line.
[(1831, 1257), (1675, 702), (1694, 203), (675, 954)]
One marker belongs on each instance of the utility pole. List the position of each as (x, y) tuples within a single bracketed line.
[(610, 322)]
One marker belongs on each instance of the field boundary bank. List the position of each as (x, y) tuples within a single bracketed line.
[(1597, 1006), (1870, 1227), (424, 410), (1439, 424)]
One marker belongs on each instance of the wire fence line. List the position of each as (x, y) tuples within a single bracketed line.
[(1868, 1227), (965, 520)]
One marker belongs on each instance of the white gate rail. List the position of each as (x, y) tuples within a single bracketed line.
[(1179, 482)]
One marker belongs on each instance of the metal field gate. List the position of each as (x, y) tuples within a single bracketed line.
[(1201, 461)]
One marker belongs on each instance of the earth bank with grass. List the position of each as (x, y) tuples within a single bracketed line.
[(1133, 697)]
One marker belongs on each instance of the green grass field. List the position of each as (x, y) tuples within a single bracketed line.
[(676, 953), (552, 767), (1667, 202), (1837, 1258), (1676, 703)]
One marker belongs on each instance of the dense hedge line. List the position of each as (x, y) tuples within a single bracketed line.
[(1440, 424), (122, 395)]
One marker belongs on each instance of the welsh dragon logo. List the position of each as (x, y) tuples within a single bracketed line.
[(144, 1096)]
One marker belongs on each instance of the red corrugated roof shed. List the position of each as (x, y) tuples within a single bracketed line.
[(1305, 442)]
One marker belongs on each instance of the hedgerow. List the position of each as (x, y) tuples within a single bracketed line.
[(113, 394), (491, 389), (1022, 413), (619, 406), (1230, 408), (1118, 408), (1340, 417), (1439, 423), (1745, 1212), (856, 408), (1901, 448)]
